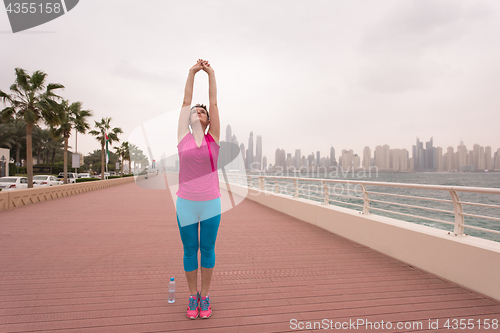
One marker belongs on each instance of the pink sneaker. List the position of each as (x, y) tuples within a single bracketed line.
[(205, 308), (193, 309)]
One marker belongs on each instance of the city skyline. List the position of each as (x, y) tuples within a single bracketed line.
[(431, 158)]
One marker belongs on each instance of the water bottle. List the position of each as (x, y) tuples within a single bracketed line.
[(171, 291)]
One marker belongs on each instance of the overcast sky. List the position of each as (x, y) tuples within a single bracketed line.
[(303, 74)]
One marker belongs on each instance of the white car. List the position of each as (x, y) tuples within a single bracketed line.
[(84, 175), (71, 177), (45, 180), (13, 183)]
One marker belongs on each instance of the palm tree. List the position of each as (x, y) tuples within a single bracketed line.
[(18, 135), (6, 139), (127, 155), (105, 133), (133, 154), (123, 152), (30, 102), (140, 160), (54, 146), (71, 116), (41, 137)]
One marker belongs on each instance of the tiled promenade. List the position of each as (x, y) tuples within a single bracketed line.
[(100, 262)]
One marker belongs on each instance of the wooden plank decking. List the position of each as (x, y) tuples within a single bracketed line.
[(101, 261)]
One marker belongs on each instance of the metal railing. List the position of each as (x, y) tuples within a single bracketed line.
[(324, 189)]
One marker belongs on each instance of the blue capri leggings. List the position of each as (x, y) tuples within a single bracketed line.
[(190, 215)]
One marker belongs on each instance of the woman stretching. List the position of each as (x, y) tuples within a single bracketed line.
[(198, 202)]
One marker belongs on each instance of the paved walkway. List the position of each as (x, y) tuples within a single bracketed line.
[(100, 262)]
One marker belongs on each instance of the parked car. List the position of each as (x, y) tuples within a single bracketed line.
[(45, 180), (84, 175), (71, 177), (13, 183)]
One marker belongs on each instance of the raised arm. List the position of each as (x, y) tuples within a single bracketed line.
[(214, 129), (183, 126)]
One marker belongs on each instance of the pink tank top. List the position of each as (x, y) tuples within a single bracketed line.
[(197, 181)]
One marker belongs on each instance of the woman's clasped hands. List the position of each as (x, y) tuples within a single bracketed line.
[(202, 65)]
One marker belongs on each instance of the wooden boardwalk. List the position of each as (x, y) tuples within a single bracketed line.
[(101, 261)]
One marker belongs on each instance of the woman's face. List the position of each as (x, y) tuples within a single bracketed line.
[(199, 114)]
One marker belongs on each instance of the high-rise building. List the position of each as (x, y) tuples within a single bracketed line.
[(280, 158), (250, 151), (264, 163), (387, 155), (475, 156), (243, 154), (403, 162), (394, 159), (318, 158), (367, 156), (398, 160), (310, 162), (382, 157), (225, 153), (347, 159), (297, 159), (333, 161), (439, 159), (481, 160), (449, 160), (418, 154), (488, 161), (228, 134), (430, 156), (258, 153), (496, 163), (289, 161), (356, 161), (461, 159)]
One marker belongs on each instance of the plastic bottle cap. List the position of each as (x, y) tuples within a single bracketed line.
[(171, 279)]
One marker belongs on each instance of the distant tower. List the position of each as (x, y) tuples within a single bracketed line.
[(258, 153), (297, 159), (461, 159), (430, 155), (264, 163), (333, 161), (439, 159), (367, 157), (242, 149), (228, 133), (250, 151), (280, 158), (488, 160)]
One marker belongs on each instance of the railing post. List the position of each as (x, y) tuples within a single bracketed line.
[(261, 183), (296, 188), (276, 187), (366, 201), (249, 182), (459, 218), (325, 191)]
